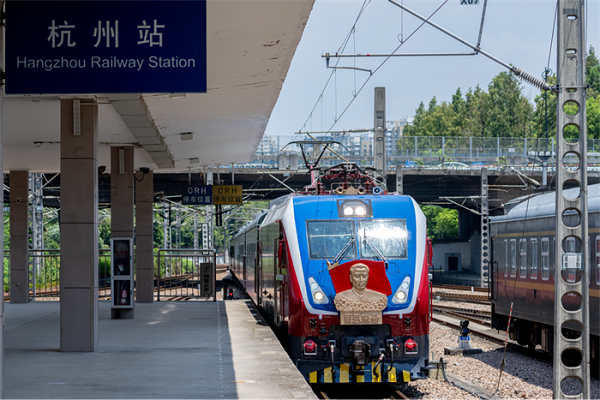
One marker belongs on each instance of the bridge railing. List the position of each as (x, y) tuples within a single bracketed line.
[(432, 151)]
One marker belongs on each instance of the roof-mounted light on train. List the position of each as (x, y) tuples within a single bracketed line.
[(401, 295), (318, 294), (354, 208)]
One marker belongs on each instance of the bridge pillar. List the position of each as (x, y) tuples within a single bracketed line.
[(399, 181), (121, 200), (79, 225), (19, 237), (144, 239)]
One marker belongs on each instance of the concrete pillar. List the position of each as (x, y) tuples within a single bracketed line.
[(121, 203), (144, 239), (19, 237), (79, 225)]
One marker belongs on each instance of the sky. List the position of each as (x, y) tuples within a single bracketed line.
[(517, 32)]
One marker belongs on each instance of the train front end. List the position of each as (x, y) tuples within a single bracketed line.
[(359, 303)]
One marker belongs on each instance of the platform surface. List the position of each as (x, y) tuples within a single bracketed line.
[(170, 350)]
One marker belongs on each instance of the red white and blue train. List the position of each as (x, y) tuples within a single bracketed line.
[(283, 259)]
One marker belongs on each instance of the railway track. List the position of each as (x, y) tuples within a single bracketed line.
[(480, 317), (358, 392)]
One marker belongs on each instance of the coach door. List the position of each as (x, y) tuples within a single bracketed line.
[(494, 270), (258, 273), (280, 277)]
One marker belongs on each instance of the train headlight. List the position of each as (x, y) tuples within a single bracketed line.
[(355, 208), (318, 294), (401, 295), (360, 211)]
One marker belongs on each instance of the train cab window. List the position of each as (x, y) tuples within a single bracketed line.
[(513, 257), (505, 257), (533, 250), (597, 259), (523, 258), (329, 238), (545, 259), (382, 237)]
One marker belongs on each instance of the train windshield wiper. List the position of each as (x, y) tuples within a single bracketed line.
[(344, 250), (374, 248)]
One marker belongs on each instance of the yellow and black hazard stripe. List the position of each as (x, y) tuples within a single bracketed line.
[(345, 374)]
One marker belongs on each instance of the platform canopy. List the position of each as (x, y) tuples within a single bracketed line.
[(250, 45)]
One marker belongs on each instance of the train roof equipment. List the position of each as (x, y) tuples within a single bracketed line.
[(544, 205)]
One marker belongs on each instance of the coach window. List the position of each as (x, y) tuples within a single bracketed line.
[(523, 258), (533, 249), (545, 259), (505, 257), (598, 260), (513, 257)]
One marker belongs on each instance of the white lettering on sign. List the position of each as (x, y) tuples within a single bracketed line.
[(107, 32), (469, 2), (50, 64), (114, 62), (173, 62), (152, 39), (64, 32)]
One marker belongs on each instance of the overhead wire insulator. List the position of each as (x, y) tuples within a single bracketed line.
[(526, 76)]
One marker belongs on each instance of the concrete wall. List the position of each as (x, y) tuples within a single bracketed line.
[(464, 249)]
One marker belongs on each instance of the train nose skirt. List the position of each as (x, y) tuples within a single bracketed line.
[(344, 373)]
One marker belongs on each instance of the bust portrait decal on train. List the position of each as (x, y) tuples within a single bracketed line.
[(361, 288)]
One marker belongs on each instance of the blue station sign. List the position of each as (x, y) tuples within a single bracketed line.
[(197, 195), (62, 47)]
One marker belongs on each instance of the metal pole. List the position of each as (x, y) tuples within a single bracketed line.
[(524, 75), (485, 230), (2, 8), (195, 230), (571, 75), (379, 135)]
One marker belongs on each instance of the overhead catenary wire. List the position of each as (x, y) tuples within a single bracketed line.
[(381, 65), (340, 50)]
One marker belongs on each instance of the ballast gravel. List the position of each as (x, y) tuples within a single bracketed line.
[(523, 377)]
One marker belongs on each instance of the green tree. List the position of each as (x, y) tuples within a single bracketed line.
[(592, 74), (442, 223), (508, 110)]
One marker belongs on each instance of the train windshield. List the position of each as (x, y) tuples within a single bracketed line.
[(326, 239), (384, 237)]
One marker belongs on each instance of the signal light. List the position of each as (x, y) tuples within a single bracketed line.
[(310, 347), (464, 328), (410, 347)]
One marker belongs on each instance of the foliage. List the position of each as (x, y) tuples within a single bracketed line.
[(504, 111), (442, 223)]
